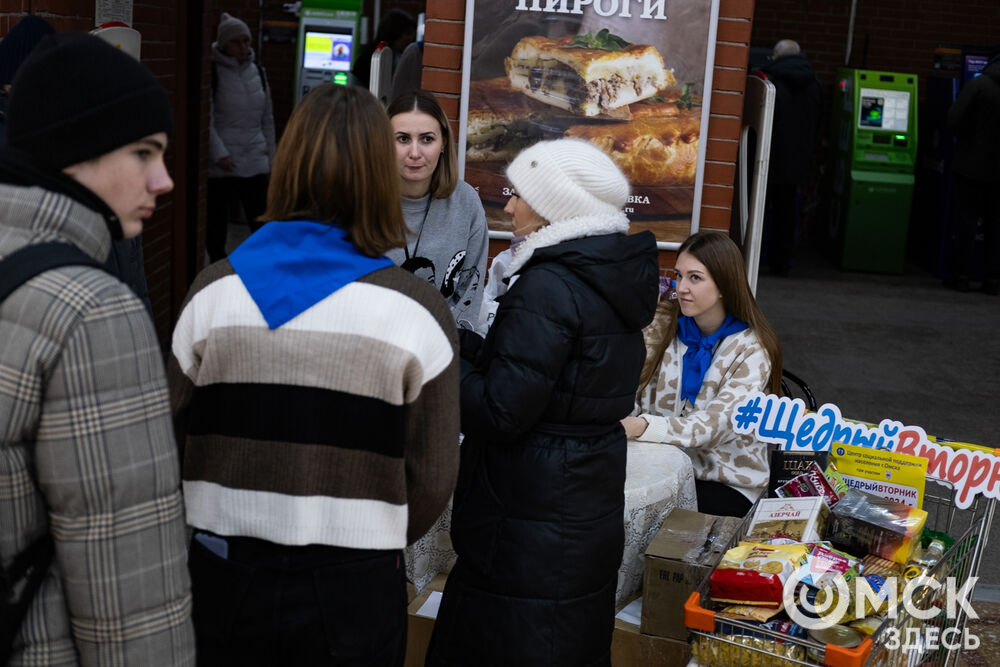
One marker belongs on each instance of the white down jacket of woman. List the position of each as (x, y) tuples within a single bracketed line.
[(242, 122)]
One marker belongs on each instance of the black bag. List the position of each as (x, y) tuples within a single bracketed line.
[(21, 581)]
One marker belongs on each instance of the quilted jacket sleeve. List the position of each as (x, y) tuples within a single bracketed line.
[(530, 342), (745, 369)]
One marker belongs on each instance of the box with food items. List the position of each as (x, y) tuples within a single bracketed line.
[(775, 598)]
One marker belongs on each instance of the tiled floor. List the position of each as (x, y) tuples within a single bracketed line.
[(987, 628)]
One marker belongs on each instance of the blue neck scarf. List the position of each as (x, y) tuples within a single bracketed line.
[(699, 353), (288, 267)]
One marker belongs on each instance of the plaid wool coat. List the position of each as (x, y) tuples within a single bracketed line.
[(87, 453)]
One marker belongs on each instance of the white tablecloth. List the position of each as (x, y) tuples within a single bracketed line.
[(658, 478)]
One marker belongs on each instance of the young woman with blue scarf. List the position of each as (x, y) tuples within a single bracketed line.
[(700, 364)]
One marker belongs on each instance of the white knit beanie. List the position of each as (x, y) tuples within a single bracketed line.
[(230, 27), (568, 178)]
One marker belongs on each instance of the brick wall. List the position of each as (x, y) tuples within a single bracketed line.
[(160, 22), (445, 35), (901, 34)]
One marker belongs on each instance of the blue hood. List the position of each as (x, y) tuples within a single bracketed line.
[(288, 267)]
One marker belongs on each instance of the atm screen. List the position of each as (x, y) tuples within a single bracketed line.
[(884, 110), (328, 50), (973, 66)]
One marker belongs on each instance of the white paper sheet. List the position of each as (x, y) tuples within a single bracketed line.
[(632, 612), (430, 607)]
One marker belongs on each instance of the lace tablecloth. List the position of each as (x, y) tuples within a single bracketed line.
[(658, 478)]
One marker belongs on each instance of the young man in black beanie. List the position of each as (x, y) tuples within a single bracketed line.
[(89, 463)]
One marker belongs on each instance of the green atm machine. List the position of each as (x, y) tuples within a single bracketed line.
[(874, 142), (328, 41)]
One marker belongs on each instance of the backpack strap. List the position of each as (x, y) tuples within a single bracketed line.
[(32, 564), (25, 263)]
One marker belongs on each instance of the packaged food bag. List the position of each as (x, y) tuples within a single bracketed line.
[(825, 564), (754, 574)]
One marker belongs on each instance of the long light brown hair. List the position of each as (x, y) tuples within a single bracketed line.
[(445, 176), (724, 262), (336, 163)]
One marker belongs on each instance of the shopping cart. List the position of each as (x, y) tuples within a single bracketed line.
[(723, 642)]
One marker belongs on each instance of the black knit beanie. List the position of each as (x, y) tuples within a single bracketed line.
[(77, 97), (18, 43)]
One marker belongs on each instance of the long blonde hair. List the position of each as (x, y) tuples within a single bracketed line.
[(724, 262)]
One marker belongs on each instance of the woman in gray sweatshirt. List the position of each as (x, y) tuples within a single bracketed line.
[(447, 239)]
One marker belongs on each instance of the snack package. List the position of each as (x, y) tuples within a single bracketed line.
[(824, 564), (748, 612), (800, 519), (873, 582), (785, 627), (810, 483), (862, 523), (872, 564), (754, 574), (836, 480)]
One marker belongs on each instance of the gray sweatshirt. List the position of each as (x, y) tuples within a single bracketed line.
[(447, 246)]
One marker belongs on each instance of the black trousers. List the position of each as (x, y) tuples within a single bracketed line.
[(973, 201), (721, 500), (250, 192), (267, 604), (782, 199)]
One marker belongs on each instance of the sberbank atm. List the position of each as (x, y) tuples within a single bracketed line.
[(874, 135), (328, 41)]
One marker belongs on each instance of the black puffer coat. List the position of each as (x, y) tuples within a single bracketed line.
[(974, 119), (797, 106), (538, 511)]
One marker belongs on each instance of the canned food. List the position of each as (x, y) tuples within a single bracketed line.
[(838, 635)]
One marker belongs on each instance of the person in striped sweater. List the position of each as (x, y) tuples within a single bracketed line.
[(315, 393)]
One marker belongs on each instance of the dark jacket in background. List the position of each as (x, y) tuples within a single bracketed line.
[(538, 511), (974, 119), (797, 106)]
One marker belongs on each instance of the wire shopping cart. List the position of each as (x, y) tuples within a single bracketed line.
[(902, 641)]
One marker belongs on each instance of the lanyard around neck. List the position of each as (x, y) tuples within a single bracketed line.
[(427, 209)]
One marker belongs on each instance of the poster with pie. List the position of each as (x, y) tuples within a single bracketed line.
[(631, 76)]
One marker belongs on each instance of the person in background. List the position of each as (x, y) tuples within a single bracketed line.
[(241, 134), (409, 70), (315, 394), (398, 29), (447, 238), (14, 49), (88, 460), (537, 521), (700, 364), (797, 106), (974, 119)]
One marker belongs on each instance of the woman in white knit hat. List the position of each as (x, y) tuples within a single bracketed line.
[(537, 522), (240, 134)]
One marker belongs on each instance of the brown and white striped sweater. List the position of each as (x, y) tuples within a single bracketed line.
[(339, 427)]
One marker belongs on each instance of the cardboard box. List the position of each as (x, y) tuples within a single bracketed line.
[(678, 559), (630, 648), (419, 628)]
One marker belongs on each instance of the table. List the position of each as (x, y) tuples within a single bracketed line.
[(658, 478)]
